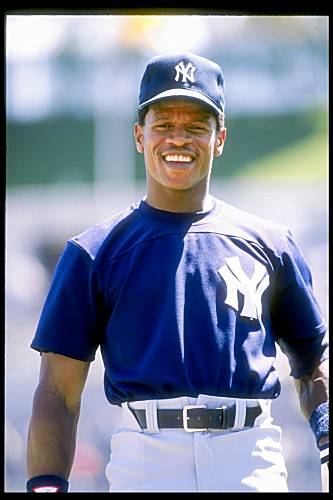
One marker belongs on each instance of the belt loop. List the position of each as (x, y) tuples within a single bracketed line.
[(151, 416), (240, 414)]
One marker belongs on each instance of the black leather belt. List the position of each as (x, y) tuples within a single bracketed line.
[(198, 418)]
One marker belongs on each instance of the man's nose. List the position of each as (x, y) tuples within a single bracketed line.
[(178, 137)]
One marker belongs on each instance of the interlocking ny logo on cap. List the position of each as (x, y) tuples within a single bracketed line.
[(187, 72)]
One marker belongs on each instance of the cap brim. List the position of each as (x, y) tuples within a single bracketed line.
[(182, 93)]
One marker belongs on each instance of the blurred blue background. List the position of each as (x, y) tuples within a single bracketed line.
[(71, 97)]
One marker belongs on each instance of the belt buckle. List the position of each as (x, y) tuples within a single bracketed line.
[(185, 418)]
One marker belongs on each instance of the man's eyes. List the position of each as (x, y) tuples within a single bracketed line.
[(194, 127)]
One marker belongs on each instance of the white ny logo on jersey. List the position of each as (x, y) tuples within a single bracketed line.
[(252, 288), (186, 72)]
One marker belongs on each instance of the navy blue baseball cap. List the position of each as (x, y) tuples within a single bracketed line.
[(183, 75)]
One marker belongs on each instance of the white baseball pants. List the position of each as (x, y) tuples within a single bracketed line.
[(173, 460)]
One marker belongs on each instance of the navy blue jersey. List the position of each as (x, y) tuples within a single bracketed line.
[(183, 304)]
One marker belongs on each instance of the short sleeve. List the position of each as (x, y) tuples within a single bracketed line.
[(69, 321), (297, 320)]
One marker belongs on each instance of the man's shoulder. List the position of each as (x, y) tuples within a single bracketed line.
[(253, 227), (244, 218), (92, 239)]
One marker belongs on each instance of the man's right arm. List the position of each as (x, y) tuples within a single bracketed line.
[(55, 413)]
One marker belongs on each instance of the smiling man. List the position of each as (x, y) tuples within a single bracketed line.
[(187, 297), (179, 140)]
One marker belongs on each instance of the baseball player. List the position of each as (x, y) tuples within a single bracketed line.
[(187, 298)]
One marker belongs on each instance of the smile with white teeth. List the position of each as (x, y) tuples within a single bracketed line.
[(178, 158)]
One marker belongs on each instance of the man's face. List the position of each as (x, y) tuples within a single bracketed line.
[(179, 140)]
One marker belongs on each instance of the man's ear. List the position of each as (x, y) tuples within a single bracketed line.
[(138, 134), (219, 142)]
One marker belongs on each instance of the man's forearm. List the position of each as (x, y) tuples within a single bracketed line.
[(313, 389), (51, 436), (313, 392)]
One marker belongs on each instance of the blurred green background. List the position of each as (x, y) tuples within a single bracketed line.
[(71, 97)]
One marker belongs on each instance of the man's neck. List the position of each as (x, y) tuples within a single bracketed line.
[(177, 201)]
